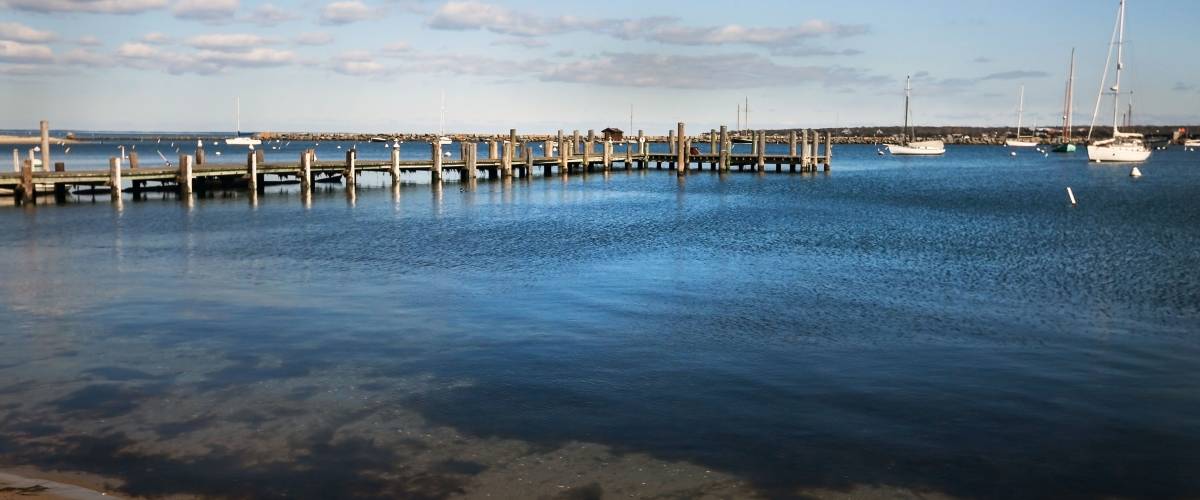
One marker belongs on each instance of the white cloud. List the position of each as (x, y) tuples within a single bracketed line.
[(215, 11), (18, 52), (205, 61), (396, 49), (270, 15), (228, 41), (360, 68), (675, 71), (529, 43), (156, 38), (86, 6), (317, 38), (89, 41), (84, 57), (736, 34), (18, 32), (474, 15), (346, 12)]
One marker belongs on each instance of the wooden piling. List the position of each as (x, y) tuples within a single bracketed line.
[(608, 153), (44, 127), (184, 176), (394, 168), (306, 158), (472, 164), (351, 172), (16, 160), (251, 171), (723, 156), (564, 165), (435, 172), (199, 152), (828, 150), (493, 150), (114, 177), (575, 144), (671, 142), (528, 152), (681, 149), (762, 150), (803, 150), (506, 160), (548, 148), (792, 143), (60, 189), (27, 194)]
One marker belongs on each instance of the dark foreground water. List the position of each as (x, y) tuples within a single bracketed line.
[(947, 326)]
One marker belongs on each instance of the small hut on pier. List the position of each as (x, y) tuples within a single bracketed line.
[(613, 134)]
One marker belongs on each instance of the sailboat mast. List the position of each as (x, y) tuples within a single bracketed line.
[(1020, 109), (1070, 99), (746, 108), (907, 96), (739, 118), (1120, 62), (238, 126)]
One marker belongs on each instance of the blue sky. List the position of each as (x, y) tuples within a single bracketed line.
[(381, 65)]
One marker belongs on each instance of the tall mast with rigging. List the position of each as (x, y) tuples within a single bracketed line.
[(907, 111), (1116, 88)]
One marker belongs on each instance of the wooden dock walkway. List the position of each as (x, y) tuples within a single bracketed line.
[(513, 157)]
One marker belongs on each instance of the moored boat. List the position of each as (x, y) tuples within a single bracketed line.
[(911, 146), (1123, 146)]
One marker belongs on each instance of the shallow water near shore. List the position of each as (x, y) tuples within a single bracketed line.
[(949, 326)]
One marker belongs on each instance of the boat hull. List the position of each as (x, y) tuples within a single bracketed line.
[(1064, 148), (898, 150), (1117, 154), (1013, 143), (242, 141)]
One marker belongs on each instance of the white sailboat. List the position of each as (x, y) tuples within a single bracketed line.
[(913, 147), (1018, 142), (1123, 146), (442, 139), (1065, 145), (238, 140)]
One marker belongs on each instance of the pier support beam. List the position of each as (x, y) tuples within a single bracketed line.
[(792, 143), (44, 127), (251, 171), (184, 176), (804, 150), (16, 160), (306, 170), (470, 160), (394, 168), (828, 150), (26, 192), (723, 155), (608, 153), (762, 151), (576, 146), (681, 150), (506, 160), (493, 150), (114, 177), (199, 152), (435, 149), (351, 172)]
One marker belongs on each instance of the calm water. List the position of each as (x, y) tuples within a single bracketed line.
[(945, 325)]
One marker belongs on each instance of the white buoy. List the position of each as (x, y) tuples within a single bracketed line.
[(1135, 172), (1014, 153), (1071, 195)]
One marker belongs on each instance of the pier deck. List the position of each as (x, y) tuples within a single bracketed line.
[(510, 158)]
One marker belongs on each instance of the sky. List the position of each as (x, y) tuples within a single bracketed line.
[(383, 65)]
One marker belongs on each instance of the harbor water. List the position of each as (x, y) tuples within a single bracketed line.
[(945, 326)]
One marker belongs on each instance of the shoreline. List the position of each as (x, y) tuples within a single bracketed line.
[(29, 482), (21, 140)]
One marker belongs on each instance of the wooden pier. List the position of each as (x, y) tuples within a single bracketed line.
[(515, 157)]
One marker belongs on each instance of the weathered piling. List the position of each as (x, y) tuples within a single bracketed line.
[(306, 170), (762, 151), (828, 149), (681, 150), (199, 152), (564, 167), (506, 160), (16, 160), (44, 128), (469, 163), (114, 177), (528, 152), (671, 142), (27, 193), (394, 168), (493, 150), (641, 142), (548, 148), (351, 173), (628, 156), (576, 146), (804, 151), (435, 171), (792, 143), (723, 155), (252, 171), (607, 155), (184, 176)]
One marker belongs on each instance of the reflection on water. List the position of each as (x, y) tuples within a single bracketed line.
[(943, 327)]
